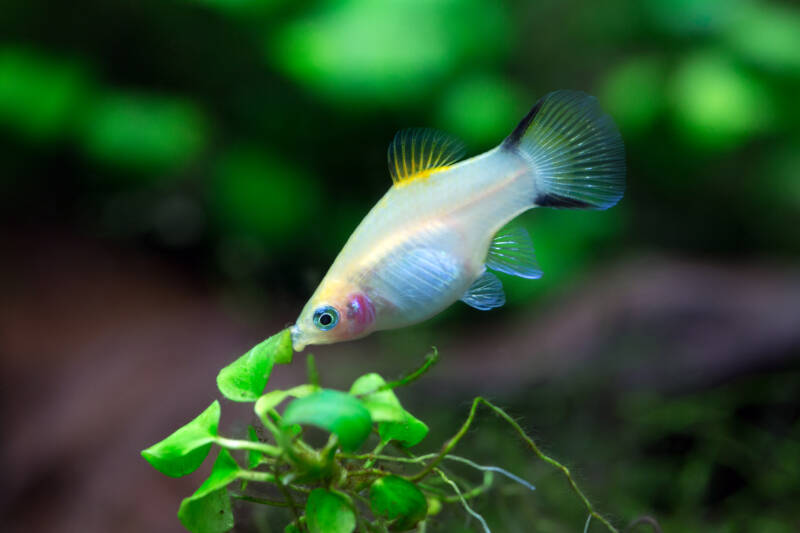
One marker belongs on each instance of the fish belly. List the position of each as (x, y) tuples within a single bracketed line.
[(423, 245), (419, 278)]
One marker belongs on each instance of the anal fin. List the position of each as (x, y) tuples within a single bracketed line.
[(485, 293)]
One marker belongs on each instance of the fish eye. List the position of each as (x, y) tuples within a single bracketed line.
[(326, 318)]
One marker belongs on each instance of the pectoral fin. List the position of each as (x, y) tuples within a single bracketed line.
[(485, 293)]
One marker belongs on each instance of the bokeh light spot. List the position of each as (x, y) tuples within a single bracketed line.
[(39, 97), (633, 93), (769, 37), (144, 132), (693, 17), (388, 50), (482, 109), (716, 104), (260, 195)]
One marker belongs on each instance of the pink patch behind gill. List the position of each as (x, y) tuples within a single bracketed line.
[(360, 312)]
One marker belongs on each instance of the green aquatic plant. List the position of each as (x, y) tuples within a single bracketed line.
[(331, 488)]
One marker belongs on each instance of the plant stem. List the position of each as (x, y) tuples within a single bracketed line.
[(462, 499), (260, 477), (472, 493), (532, 445), (270, 425), (376, 457), (450, 444), (378, 449), (235, 444), (288, 496), (430, 360), (262, 501), (369, 472), (311, 366)]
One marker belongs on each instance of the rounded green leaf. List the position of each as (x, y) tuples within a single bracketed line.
[(185, 450), (208, 510), (384, 405), (329, 512), (409, 432), (334, 411), (399, 501), (272, 399), (244, 379), (207, 514)]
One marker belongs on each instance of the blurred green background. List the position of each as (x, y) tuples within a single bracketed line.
[(177, 175)]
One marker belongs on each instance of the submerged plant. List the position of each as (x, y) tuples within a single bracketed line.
[(332, 488)]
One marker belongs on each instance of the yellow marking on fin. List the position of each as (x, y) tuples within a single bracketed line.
[(417, 153), (425, 174)]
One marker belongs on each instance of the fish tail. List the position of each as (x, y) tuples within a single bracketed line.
[(575, 151)]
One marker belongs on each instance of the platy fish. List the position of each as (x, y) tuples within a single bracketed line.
[(443, 224)]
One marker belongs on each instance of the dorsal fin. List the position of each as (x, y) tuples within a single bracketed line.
[(416, 152)]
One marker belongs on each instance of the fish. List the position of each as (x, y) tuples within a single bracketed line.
[(446, 223)]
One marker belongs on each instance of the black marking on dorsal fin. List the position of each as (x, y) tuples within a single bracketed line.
[(516, 135)]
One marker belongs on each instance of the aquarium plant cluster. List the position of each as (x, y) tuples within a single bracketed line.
[(334, 487)]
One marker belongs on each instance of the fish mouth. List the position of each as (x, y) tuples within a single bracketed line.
[(295, 333)]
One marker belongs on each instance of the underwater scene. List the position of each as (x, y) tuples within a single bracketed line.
[(400, 265)]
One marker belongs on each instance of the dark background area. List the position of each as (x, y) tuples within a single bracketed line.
[(177, 175)]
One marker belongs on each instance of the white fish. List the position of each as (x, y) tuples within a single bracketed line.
[(429, 241)]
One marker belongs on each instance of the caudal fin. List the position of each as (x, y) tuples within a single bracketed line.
[(575, 150)]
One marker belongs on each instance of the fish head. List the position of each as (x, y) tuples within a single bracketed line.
[(337, 312)]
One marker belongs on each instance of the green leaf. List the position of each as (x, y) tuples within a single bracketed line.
[(244, 379), (329, 512), (383, 406), (185, 450), (208, 514), (399, 501), (208, 510), (253, 457), (333, 411), (272, 399), (292, 528), (409, 432)]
